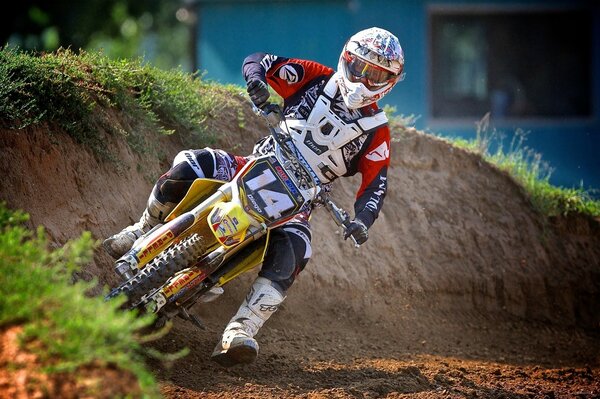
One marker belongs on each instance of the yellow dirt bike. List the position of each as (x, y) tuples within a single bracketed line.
[(220, 229)]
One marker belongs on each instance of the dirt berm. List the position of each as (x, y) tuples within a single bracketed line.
[(462, 289)]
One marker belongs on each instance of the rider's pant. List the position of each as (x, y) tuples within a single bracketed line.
[(191, 164), (290, 247)]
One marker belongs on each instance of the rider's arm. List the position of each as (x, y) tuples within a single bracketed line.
[(285, 75), (373, 166)]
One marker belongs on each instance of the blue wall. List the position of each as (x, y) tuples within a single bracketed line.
[(317, 30)]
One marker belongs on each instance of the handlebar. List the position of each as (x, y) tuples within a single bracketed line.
[(340, 216), (272, 113), (273, 116)]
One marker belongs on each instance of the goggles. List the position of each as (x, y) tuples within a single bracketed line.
[(372, 76)]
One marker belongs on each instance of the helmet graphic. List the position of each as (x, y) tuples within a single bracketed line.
[(371, 63)]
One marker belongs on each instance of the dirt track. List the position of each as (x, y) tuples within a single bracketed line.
[(336, 353), (462, 289)]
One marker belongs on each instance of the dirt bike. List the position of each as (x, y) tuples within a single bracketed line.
[(220, 230)]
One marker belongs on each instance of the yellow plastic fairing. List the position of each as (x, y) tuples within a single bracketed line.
[(248, 262)]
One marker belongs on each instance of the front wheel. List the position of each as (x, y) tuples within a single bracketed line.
[(160, 269)]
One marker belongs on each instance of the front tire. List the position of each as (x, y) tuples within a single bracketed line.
[(172, 260)]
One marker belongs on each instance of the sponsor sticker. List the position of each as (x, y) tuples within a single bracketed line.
[(286, 179), (381, 153), (155, 246), (181, 281)]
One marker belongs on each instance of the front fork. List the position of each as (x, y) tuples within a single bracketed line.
[(184, 288)]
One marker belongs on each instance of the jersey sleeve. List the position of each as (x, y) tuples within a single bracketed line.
[(373, 166), (285, 75)]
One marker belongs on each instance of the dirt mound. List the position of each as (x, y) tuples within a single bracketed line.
[(460, 288)]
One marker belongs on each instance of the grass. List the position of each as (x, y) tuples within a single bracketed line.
[(524, 165), (77, 91), (69, 328), (528, 169)]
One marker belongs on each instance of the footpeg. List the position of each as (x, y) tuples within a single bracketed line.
[(198, 322)]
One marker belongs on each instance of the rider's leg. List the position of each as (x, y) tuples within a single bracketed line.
[(287, 255), (170, 189), (118, 244)]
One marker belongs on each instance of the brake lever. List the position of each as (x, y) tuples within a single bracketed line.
[(272, 114), (340, 216)]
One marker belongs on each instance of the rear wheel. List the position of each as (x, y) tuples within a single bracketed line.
[(156, 273)]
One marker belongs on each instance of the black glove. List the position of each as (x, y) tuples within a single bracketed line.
[(358, 230), (258, 91)]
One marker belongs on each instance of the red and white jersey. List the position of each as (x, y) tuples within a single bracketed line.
[(335, 140)]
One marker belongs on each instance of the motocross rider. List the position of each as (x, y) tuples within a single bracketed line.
[(338, 128)]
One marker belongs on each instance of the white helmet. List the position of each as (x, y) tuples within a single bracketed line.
[(371, 63)]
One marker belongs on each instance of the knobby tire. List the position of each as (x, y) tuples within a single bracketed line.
[(156, 272)]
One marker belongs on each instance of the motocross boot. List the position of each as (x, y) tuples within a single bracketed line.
[(237, 345), (117, 245)]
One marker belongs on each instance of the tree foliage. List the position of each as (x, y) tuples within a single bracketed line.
[(156, 30)]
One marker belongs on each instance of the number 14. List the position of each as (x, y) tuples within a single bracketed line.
[(275, 201)]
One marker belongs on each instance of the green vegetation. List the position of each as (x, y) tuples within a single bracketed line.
[(528, 169), (522, 163), (69, 329), (77, 92), (126, 28)]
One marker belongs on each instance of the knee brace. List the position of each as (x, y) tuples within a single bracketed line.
[(280, 260), (170, 191), (209, 163)]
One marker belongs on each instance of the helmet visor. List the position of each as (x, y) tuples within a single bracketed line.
[(372, 76)]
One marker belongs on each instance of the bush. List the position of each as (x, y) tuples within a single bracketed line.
[(77, 92), (72, 329)]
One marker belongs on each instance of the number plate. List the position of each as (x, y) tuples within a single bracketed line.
[(270, 194)]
